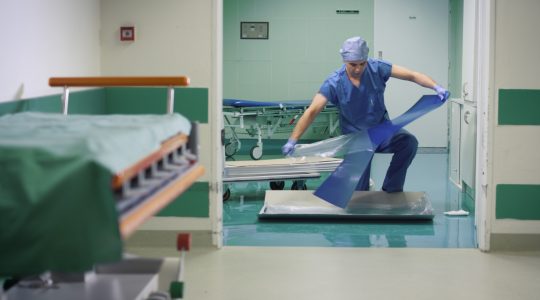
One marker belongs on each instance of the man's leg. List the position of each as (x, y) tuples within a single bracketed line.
[(363, 183), (404, 146)]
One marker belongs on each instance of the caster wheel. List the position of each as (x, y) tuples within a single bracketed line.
[(158, 296), (227, 194), (256, 152), (277, 185), (299, 185), (232, 147), (176, 289)]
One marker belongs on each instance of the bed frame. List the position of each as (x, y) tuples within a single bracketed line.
[(176, 161)]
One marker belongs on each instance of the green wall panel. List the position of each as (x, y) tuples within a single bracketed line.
[(518, 201), (190, 102), (80, 102), (519, 107), (302, 49), (194, 202)]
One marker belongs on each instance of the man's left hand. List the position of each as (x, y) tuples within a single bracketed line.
[(442, 92)]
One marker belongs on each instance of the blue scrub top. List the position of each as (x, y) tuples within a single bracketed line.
[(360, 107)]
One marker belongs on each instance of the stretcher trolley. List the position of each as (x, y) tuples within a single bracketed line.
[(77, 186), (248, 119), (276, 171)]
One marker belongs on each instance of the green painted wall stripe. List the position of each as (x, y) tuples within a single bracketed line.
[(190, 102), (194, 202), (519, 107), (80, 102), (518, 201)]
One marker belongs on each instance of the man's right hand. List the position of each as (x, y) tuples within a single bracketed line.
[(288, 148)]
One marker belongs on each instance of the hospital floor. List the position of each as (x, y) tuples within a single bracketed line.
[(311, 273), (428, 173), (339, 260)]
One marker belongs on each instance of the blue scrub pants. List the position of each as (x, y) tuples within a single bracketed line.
[(404, 146)]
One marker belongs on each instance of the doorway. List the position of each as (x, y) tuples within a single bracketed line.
[(241, 226)]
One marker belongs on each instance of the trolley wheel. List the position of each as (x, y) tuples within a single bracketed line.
[(176, 289), (227, 194), (299, 185), (277, 185), (158, 296), (183, 241), (232, 147), (256, 152)]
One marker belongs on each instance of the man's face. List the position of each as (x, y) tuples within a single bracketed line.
[(355, 68)]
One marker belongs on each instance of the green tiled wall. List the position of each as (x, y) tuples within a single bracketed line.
[(518, 201)]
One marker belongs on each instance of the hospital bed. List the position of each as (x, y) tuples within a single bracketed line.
[(249, 119), (74, 187)]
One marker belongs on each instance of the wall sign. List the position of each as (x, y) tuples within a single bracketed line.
[(254, 30)]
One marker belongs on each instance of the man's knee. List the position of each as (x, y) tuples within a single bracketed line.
[(407, 142)]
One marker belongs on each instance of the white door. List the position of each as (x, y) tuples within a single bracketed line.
[(455, 146), (469, 50), (414, 34)]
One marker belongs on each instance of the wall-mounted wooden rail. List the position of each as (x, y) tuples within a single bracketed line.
[(167, 81), (118, 81)]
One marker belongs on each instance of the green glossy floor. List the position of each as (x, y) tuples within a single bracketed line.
[(429, 173)]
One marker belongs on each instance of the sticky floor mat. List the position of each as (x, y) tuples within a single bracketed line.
[(368, 205)]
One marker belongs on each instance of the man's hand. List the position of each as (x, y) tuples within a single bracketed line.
[(288, 148), (442, 92)]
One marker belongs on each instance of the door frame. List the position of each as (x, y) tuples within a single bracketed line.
[(484, 79)]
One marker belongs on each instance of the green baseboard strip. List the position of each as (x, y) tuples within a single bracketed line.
[(519, 107), (518, 201)]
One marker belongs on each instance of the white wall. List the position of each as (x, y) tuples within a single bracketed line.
[(40, 39), (515, 157), (172, 37)]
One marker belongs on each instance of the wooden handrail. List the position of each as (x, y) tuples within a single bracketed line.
[(118, 81)]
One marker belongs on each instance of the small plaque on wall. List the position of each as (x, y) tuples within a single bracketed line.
[(254, 30)]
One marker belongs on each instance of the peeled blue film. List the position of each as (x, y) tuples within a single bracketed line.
[(358, 149)]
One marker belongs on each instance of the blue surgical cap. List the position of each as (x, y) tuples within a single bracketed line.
[(354, 49)]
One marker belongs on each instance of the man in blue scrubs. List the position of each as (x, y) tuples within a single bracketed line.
[(357, 90)]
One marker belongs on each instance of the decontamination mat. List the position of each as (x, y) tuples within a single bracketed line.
[(280, 204)]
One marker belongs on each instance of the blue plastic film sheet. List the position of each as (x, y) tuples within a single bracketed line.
[(358, 149)]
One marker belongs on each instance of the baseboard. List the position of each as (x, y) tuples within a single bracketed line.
[(515, 242), (166, 239)]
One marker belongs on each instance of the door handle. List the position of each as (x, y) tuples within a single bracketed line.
[(466, 117)]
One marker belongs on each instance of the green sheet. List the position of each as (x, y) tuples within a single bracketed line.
[(57, 211)]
